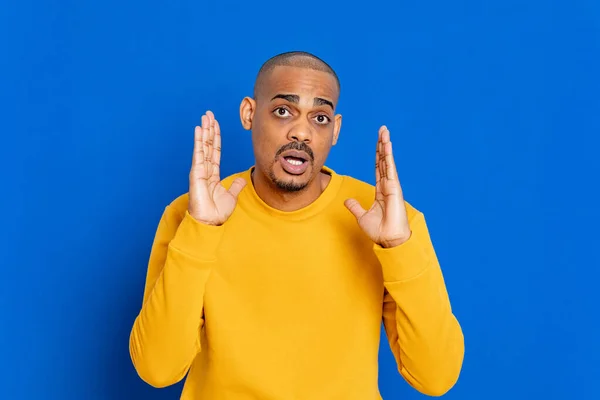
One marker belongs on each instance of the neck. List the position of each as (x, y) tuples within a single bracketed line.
[(288, 201)]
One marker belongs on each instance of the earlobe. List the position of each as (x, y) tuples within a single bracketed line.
[(336, 128), (247, 108)]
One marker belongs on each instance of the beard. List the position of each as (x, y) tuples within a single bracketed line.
[(286, 185), (290, 184)]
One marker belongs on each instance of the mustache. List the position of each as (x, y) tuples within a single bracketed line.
[(300, 146)]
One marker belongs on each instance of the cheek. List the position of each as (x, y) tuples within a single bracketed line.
[(321, 151), (265, 145)]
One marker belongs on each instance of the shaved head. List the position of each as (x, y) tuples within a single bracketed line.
[(294, 125), (298, 59)]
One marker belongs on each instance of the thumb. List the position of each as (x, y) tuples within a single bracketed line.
[(355, 208), (236, 187)]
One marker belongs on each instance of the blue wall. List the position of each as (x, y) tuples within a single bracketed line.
[(495, 113)]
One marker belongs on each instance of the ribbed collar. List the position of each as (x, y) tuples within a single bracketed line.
[(251, 202)]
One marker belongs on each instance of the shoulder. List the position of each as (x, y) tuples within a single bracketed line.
[(178, 206), (356, 188), (364, 192)]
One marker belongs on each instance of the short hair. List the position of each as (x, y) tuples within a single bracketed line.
[(301, 59)]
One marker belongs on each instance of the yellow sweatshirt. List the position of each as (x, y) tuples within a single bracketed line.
[(279, 305)]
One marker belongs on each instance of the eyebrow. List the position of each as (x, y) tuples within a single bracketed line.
[(322, 102), (294, 98)]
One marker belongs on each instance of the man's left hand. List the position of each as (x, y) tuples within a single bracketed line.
[(386, 222)]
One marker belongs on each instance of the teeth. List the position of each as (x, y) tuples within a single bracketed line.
[(294, 162)]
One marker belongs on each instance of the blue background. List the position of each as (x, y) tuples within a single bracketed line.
[(495, 115)]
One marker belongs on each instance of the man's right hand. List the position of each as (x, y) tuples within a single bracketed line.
[(209, 201)]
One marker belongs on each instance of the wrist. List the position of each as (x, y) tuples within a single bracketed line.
[(199, 240), (195, 215), (388, 244), (203, 221)]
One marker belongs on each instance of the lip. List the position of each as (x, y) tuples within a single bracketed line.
[(296, 154), (294, 169)]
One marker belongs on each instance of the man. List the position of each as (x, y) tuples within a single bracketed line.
[(272, 283)]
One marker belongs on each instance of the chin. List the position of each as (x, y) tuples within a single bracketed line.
[(288, 182)]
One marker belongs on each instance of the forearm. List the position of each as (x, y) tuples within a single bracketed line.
[(427, 337), (424, 334), (165, 335)]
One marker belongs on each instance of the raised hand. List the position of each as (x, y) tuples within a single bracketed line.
[(209, 201), (386, 222)]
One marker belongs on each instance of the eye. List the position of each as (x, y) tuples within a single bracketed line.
[(281, 112), (322, 119)]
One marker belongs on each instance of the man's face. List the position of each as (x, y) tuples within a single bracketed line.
[(294, 125)]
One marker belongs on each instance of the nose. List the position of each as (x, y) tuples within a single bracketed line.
[(300, 132)]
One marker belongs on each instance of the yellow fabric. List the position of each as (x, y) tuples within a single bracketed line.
[(279, 305)]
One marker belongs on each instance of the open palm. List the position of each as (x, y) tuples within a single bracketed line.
[(209, 201), (386, 222)]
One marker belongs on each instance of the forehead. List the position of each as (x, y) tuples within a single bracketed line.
[(304, 82)]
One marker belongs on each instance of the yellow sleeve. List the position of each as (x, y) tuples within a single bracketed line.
[(424, 335), (165, 337)]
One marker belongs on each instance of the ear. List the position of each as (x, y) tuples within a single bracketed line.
[(337, 125), (247, 109)]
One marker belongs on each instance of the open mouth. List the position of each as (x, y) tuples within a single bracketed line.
[(294, 162)]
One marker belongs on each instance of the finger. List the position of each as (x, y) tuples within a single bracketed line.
[(216, 155), (236, 187), (205, 133), (197, 169), (210, 115), (382, 169), (377, 169), (197, 155), (355, 208), (377, 162), (211, 135), (390, 164)]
